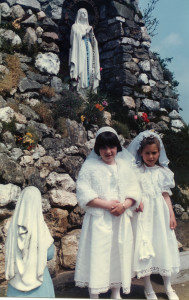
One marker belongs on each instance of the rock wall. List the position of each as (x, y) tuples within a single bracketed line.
[(37, 32)]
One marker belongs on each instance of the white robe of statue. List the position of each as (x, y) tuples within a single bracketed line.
[(84, 56)]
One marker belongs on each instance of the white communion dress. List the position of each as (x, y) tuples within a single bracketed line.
[(156, 249), (106, 244)]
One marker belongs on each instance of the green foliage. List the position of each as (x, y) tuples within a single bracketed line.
[(121, 128), (9, 126), (61, 127), (177, 147), (68, 107), (151, 23), (93, 109), (167, 74)]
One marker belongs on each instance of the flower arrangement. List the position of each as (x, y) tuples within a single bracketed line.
[(141, 120), (93, 111), (26, 142)]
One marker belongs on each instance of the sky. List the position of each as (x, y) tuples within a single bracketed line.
[(172, 40)]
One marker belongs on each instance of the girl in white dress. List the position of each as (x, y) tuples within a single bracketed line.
[(107, 189), (156, 249)]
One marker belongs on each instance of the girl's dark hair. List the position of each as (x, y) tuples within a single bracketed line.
[(104, 139), (149, 141)]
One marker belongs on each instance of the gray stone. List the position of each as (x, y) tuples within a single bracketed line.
[(10, 171), (126, 78), (37, 77), (130, 41), (3, 148), (156, 70), (169, 104), (76, 217), (146, 44), (30, 37), (174, 115), (72, 165), (132, 66), (111, 45), (5, 10), (50, 47), (33, 178), (150, 105), (145, 35), (16, 153), (54, 147), (76, 132), (177, 123), (129, 102), (6, 114), (61, 180), (162, 124), (48, 63), (178, 209), (9, 193), (62, 198), (27, 84), (118, 9), (70, 243), (144, 65), (29, 113), (143, 78), (32, 20), (42, 130), (3, 103), (56, 83), (56, 11), (11, 36), (17, 12), (24, 58), (49, 23), (33, 4)]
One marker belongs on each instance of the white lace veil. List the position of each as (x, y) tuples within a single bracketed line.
[(122, 154), (135, 145)]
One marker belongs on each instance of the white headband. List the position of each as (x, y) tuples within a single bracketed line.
[(106, 129)]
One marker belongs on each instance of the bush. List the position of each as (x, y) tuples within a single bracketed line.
[(47, 91), (61, 127), (68, 107), (93, 110), (12, 78), (121, 129), (45, 113)]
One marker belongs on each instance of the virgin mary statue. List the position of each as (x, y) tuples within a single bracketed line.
[(84, 56)]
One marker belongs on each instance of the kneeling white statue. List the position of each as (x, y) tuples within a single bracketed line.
[(84, 56)]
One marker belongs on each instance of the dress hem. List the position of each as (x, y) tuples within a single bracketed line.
[(102, 289)]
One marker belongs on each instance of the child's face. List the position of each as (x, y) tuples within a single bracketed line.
[(108, 154), (150, 155)]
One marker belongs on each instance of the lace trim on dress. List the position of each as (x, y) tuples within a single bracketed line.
[(157, 270), (126, 290)]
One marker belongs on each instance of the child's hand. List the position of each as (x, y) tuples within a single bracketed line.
[(118, 209), (112, 204), (173, 222), (140, 208)]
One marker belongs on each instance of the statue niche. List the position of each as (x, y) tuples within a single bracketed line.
[(84, 56)]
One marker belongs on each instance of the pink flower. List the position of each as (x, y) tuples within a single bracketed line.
[(135, 117), (101, 69), (105, 103)]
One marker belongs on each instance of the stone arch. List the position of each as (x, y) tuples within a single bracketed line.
[(70, 9)]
